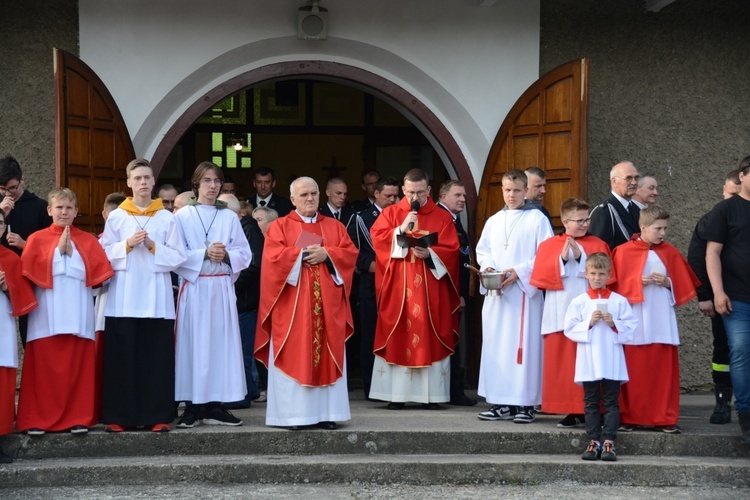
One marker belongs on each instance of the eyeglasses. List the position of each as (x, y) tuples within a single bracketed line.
[(9, 189), (629, 178), (580, 222), (2, 224), (418, 194), (216, 182)]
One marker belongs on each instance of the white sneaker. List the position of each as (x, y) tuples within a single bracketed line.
[(262, 398), (525, 415)]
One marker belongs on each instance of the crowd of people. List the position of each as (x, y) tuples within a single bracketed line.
[(192, 288)]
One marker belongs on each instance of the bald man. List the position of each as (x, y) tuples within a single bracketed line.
[(616, 219)]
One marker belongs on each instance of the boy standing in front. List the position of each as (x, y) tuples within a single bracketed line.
[(600, 321)]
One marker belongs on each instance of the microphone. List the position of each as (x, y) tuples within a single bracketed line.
[(414, 208)]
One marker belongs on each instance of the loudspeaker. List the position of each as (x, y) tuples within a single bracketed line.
[(312, 22)]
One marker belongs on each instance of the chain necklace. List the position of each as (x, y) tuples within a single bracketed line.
[(135, 218), (203, 225)]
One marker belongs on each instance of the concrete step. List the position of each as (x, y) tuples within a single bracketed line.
[(378, 469)]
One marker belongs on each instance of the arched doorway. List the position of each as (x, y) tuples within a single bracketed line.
[(406, 103)]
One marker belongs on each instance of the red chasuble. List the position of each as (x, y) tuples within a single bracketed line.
[(310, 322), (40, 247), (630, 261), (417, 313), (20, 291), (546, 273)]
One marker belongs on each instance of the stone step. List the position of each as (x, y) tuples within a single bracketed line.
[(496, 438), (416, 469)]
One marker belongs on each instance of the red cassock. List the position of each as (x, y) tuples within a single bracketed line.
[(57, 384), (417, 313), (309, 323), (559, 393), (22, 301), (652, 395)]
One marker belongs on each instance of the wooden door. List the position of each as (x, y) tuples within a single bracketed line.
[(546, 128), (92, 143)]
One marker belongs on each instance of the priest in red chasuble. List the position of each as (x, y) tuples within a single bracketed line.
[(418, 299), (304, 317)]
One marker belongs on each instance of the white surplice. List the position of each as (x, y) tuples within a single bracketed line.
[(599, 352), (8, 337), (142, 285), (209, 365), (68, 307), (510, 372), (573, 274), (657, 320)]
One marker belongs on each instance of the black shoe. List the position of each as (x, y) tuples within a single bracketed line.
[(218, 416), (396, 406), (293, 427), (723, 410), (608, 452), (593, 451), (188, 420), (329, 426), (79, 429), (462, 400), (237, 405), (430, 406), (570, 421)]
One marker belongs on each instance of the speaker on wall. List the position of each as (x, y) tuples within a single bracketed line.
[(312, 22)]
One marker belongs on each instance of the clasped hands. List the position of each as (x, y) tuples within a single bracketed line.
[(140, 237), (655, 279), (314, 254), (597, 316)]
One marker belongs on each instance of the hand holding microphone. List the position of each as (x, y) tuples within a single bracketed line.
[(412, 217)]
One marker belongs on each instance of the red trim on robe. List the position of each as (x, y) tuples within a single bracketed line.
[(288, 313), (546, 272), (20, 291), (37, 257), (630, 260), (600, 293), (57, 384), (417, 314)]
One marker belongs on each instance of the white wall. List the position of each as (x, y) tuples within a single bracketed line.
[(467, 63)]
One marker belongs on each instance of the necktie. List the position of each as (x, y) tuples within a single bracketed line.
[(336, 215), (635, 212), (262, 203)]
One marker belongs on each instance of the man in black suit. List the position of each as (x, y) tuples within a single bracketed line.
[(453, 200), (616, 219), (536, 188), (336, 192), (386, 194), (264, 182), (369, 181)]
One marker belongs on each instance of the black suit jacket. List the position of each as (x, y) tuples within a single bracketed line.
[(464, 256), (613, 230), (346, 214), (282, 205), (359, 232)]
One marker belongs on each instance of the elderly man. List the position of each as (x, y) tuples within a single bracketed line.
[(305, 317), (181, 200), (418, 300), (647, 192), (616, 219)]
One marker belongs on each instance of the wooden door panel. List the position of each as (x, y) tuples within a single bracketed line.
[(546, 128), (92, 143)]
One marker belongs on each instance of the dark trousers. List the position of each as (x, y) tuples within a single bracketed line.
[(594, 394), (720, 355)]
